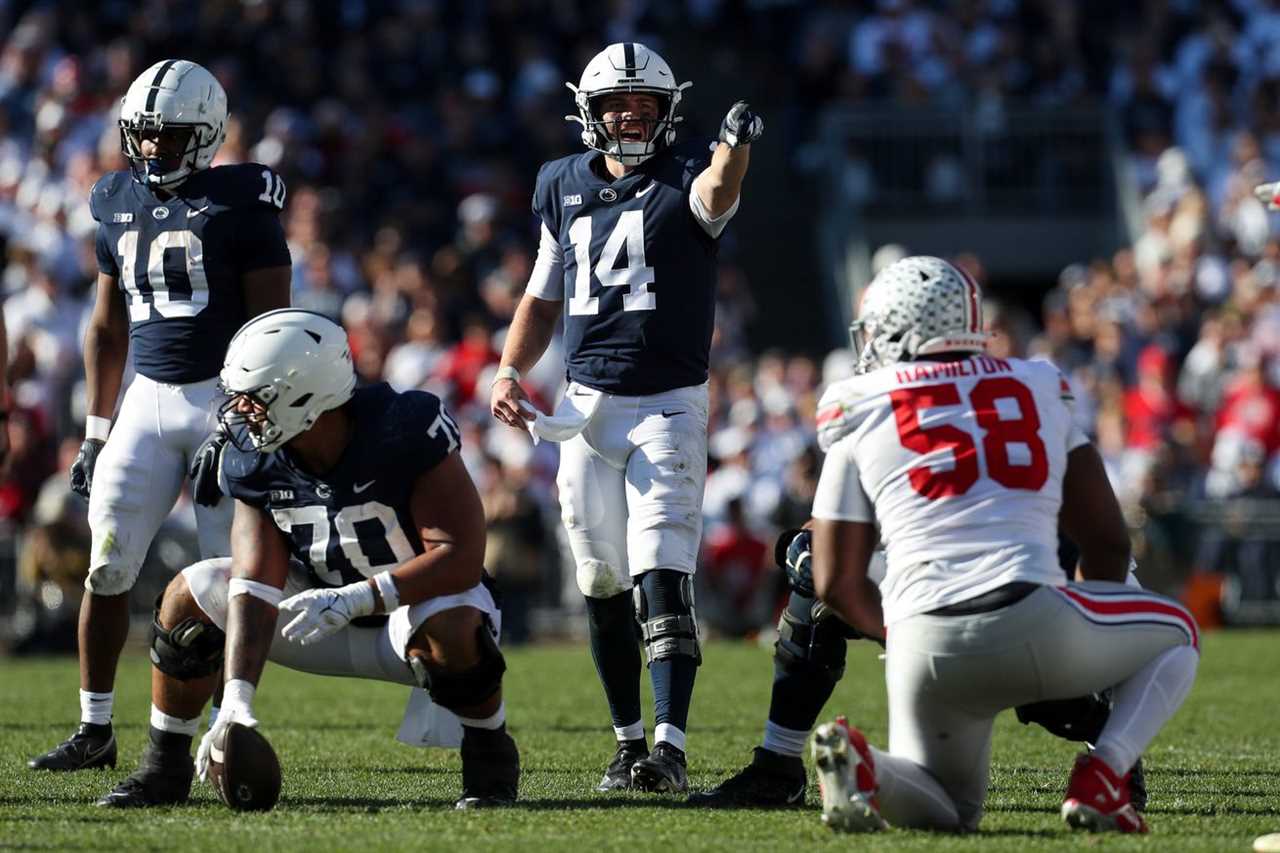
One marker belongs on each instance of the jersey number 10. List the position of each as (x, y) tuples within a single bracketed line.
[(998, 434), (174, 293)]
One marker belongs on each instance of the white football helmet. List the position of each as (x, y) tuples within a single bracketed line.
[(295, 365), (173, 94), (627, 67), (918, 306)]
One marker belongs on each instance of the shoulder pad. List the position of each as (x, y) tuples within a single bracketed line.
[(106, 193), (1056, 376), (239, 465), (243, 185), (835, 411)]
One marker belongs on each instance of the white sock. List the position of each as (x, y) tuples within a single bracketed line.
[(493, 721), (784, 741), (667, 733), (631, 731), (165, 723), (1143, 703), (96, 708)]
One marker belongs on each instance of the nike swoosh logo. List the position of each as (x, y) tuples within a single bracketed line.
[(647, 187), (1111, 789), (796, 797), (360, 487), (191, 213), (667, 414)]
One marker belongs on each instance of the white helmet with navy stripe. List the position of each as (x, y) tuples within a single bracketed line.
[(914, 307), (294, 365), (183, 98), (627, 67)]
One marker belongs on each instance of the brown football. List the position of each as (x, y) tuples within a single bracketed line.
[(244, 770)]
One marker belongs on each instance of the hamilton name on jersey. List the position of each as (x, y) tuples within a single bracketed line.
[(355, 520), (639, 270), (180, 258)]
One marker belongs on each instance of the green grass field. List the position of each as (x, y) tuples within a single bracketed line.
[(1214, 775)]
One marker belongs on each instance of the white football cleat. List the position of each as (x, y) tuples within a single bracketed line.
[(847, 778), (1268, 194)]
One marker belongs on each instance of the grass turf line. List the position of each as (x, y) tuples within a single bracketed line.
[(1213, 774)]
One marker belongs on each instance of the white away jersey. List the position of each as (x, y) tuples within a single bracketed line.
[(960, 464)]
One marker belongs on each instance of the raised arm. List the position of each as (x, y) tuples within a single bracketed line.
[(720, 184)]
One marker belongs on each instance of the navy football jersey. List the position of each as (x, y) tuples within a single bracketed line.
[(639, 270), (355, 521), (180, 260)]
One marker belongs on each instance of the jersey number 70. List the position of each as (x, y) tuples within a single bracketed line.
[(998, 433)]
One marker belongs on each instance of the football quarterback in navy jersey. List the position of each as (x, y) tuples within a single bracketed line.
[(629, 236), (186, 254), (357, 550)]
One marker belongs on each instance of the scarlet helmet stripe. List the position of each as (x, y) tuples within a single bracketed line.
[(1129, 606)]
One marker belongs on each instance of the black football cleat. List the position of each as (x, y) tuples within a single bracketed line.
[(662, 772), (162, 779), (770, 781), (490, 770), (617, 776), (1138, 787), (91, 746)]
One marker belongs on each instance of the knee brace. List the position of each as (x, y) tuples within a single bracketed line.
[(190, 649), (454, 690), (664, 607), (806, 643)]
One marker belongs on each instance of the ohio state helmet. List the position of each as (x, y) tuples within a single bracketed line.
[(918, 306)]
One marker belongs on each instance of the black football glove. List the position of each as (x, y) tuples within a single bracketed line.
[(82, 468), (792, 554), (204, 469), (741, 126)]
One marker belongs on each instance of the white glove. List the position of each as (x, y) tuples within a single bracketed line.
[(322, 612), (1268, 194), (237, 701)]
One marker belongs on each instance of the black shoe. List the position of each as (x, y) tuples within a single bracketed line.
[(663, 771), (617, 776), (490, 769), (91, 746), (162, 779), (1138, 786), (769, 781)]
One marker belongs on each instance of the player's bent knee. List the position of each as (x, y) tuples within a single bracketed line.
[(598, 579), (193, 647), (462, 688), (110, 579), (448, 639), (664, 606), (808, 645)]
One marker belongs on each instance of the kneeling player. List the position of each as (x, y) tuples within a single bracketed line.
[(348, 506), (808, 663)]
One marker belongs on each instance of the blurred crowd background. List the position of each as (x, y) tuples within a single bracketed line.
[(409, 134)]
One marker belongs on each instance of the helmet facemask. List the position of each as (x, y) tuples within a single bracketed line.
[(605, 136), (174, 162)]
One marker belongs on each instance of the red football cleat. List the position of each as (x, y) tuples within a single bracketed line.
[(1098, 800), (847, 778)]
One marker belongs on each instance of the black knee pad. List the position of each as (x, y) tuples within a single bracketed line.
[(190, 649), (818, 646), (1079, 719), (664, 608), (454, 690)]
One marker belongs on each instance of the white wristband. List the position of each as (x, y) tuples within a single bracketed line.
[(505, 372), (387, 591), (262, 591), (97, 428), (238, 693)]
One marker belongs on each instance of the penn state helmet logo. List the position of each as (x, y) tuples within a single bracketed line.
[(608, 194)]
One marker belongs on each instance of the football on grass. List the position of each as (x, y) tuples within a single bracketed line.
[(244, 770)]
